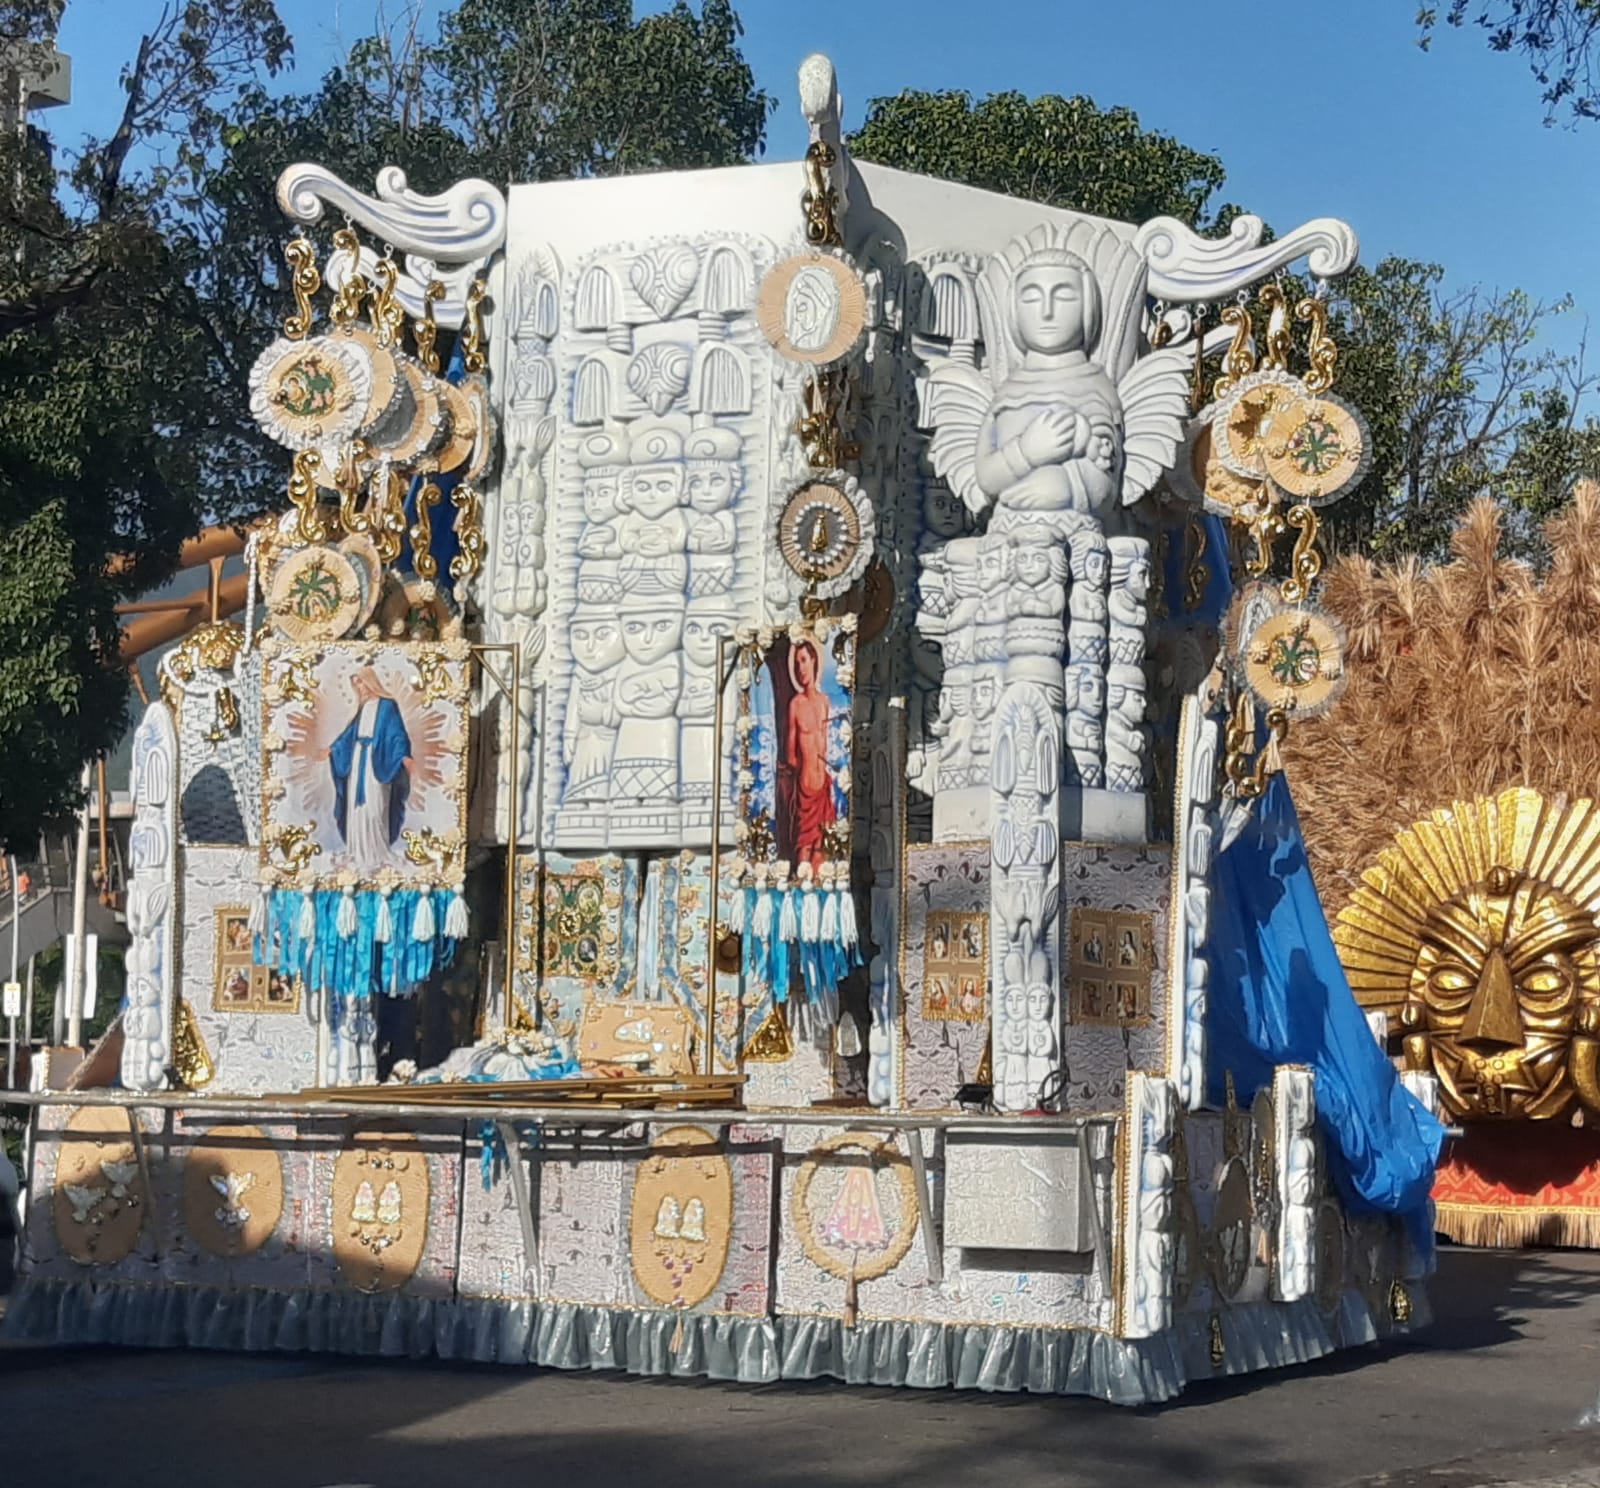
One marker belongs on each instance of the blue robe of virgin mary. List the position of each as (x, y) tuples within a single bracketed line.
[(380, 755)]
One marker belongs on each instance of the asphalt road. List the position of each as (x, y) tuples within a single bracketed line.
[(1495, 1392)]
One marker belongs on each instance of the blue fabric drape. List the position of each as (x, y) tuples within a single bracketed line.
[(1278, 995)]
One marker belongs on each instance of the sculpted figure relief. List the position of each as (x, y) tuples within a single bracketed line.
[(1060, 424)]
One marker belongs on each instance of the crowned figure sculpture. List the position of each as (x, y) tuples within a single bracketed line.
[(1066, 420)]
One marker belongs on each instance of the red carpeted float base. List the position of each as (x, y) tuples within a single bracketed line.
[(1521, 1183)]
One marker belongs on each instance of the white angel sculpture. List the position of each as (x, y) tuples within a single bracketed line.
[(1064, 416)]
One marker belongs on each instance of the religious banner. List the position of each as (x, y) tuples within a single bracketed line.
[(795, 698), (363, 841)]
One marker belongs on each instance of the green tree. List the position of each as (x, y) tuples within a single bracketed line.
[(1463, 399), (1557, 37), (1065, 152), (139, 283), (105, 401)]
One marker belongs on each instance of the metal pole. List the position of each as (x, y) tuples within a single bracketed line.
[(11, 1022), (80, 920), (713, 929)]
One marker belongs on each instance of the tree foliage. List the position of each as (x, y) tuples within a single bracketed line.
[(140, 277), (105, 397), (1557, 37), (1065, 152), (1464, 401)]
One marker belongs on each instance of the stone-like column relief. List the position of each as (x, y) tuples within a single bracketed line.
[(1294, 1105), (1198, 739), (1048, 434), (152, 904), (516, 585), (1025, 893), (1150, 1207), (656, 538)]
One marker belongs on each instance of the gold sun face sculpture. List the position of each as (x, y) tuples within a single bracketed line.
[(1480, 925)]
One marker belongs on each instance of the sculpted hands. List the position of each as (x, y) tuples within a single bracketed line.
[(1058, 436)]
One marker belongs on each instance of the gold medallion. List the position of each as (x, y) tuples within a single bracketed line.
[(476, 392), (310, 393), (461, 427), (812, 307), (416, 423), (1201, 476), (1246, 420), (818, 532), (363, 555), (1293, 661), (315, 594), (1318, 450)]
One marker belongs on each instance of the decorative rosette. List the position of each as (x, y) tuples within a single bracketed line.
[(1290, 657), (825, 533), (1245, 419), (316, 594), (813, 307), (310, 393), (1319, 449)]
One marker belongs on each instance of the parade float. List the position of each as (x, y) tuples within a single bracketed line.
[(740, 832), (1451, 827)]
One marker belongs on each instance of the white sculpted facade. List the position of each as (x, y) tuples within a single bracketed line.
[(661, 494)]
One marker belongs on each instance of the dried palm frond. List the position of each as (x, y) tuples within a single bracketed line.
[(1465, 679)]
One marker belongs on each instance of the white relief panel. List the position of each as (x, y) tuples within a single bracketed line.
[(152, 972), (664, 389)]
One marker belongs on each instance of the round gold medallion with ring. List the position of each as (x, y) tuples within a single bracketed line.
[(461, 434), (309, 393), (1293, 660), (824, 533), (1246, 420), (476, 392), (812, 307), (385, 371), (315, 594), (416, 423), (1318, 450), (362, 552)]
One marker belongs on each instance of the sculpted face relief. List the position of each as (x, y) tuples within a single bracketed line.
[(1506, 977), (1051, 308), (1494, 971)]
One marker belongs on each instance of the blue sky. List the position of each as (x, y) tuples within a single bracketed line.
[(1328, 110)]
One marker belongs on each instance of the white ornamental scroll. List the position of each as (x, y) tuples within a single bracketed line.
[(446, 237)]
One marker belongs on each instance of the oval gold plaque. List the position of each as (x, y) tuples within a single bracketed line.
[(682, 1217), (380, 1209), (232, 1190), (100, 1198)]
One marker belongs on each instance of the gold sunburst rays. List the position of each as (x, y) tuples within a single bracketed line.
[(1380, 932)]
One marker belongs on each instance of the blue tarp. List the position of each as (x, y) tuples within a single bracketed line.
[(1278, 995)]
